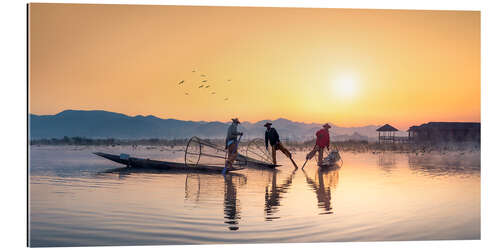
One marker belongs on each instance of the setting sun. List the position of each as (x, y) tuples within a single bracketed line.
[(345, 86)]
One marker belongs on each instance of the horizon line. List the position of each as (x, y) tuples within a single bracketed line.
[(260, 120)]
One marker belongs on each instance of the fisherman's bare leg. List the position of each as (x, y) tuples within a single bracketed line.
[(287, 153), (284, 150), (232, 157), (232, 154), (273, 153), (320, 155)]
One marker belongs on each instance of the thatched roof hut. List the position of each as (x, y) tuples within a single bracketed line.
[(387, 133), (387, 128)]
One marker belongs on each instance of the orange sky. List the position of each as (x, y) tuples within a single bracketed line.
[(407, 67)]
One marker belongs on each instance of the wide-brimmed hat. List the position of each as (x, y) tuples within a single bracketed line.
[(235, 120), (326, 125), (267, 124)]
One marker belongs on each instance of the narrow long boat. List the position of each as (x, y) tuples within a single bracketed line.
[(332, 160), (250, 162), (147, 163)]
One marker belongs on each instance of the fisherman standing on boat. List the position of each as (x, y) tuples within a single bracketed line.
[(322, 141), (232, 144), (272, 137)]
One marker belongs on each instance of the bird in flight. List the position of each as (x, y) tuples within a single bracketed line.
[(204, 81), (203, 75), (201, 86), (181, 82), (225, 99), (208, 86), (186, 93), (228, 80), (193, 70), (213, 93)]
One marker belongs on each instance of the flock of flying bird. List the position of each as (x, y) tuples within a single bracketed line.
[(204, 85)]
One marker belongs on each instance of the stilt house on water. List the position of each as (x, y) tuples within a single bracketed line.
[(446, 132), (387, 133)]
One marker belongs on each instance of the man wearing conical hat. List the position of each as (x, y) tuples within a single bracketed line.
[(272, 137), (322, 141), (232, 144)]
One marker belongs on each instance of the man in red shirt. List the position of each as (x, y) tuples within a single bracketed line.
[(322, 141)]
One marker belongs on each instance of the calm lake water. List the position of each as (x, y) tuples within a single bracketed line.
[(75, 200)]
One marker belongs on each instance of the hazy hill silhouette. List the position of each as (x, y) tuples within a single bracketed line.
[(104, 124)]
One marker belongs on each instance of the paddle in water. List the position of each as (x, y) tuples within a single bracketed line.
[(304, 163), (294, 164)]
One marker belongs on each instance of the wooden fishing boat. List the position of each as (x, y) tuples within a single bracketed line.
[(332, 160), (147, 163), (250, 162), (329, 165)]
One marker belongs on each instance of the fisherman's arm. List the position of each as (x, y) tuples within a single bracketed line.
[(318, 135), (266, 139)]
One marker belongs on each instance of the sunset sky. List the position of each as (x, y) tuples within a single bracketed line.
[(344, 66)]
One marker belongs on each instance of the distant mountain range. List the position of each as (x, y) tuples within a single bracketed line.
[(104, 124)]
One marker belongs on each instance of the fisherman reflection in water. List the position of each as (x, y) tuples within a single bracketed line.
[(231, 203), (275, 193), (272, 137), (232, 144), (326, 180), (199, 188)]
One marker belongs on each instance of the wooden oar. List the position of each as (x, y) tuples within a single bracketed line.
[(304, 163), (239, 139), (294, 164), (307, 159)]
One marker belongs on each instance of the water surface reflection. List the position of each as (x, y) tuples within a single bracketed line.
[(199, 186), (387, 162), (231, 203), (274, 194), (78, 200), (324, 183), (445, 164)]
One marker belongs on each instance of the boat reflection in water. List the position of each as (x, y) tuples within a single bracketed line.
[(325, 180), (200, 186), (274, 193)]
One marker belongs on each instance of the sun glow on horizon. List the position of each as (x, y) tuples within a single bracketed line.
[(346, 86)]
